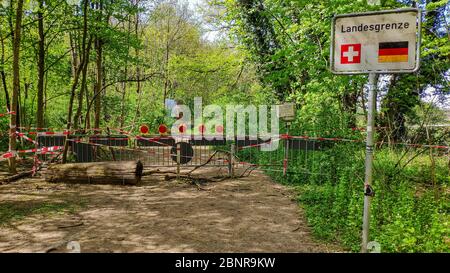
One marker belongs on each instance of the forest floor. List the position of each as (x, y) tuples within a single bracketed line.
[(250, 214)]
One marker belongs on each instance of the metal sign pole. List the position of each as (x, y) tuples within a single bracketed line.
[(286, 112), (286, 149), (368, 192)]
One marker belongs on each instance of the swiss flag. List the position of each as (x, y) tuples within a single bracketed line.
[(351, 54)]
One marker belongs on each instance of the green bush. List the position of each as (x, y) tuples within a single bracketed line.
[(409, 210)]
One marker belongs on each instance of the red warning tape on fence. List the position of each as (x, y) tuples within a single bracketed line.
[(7, 155), (24, 136), (8, 113), (42, 151), (47, 150), (154, 140), (104, 145), (362, 141), (258, 145)]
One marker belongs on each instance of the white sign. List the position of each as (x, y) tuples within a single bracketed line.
[(376, 42), (286, 111)]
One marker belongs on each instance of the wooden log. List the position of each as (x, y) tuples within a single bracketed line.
[(124, 172)]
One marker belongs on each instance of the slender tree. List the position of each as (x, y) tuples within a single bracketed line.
[(77, 75), (40, 67), (2, 71), (16, 84), (99, 67)]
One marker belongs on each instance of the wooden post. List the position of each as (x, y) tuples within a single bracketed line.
[(178, 159), (231, 161)]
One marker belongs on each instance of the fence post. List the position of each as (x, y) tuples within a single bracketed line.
[(286, 149), (178, 159), (231, 161)]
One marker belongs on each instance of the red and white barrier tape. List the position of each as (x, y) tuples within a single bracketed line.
[(43, 151), (8, 113), (362, 141), (154, 140), (336, 139), (108, 146), (7, 155), (268, 142), (22, 135), (36, 163)]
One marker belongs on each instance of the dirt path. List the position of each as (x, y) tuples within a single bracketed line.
[(251, 214)]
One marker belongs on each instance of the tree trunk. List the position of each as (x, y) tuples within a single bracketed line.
[(41, 67), (122, 103), (125, 172), (87, 118), (138, 74), (16, 85), (73, 48), (83, 88), (124, 84), (99, 77), (166, 64), (98, 85), (76, 78), (2, 73)]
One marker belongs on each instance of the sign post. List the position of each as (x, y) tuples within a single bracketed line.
[(368, 192), (374, 43), (287, 113)]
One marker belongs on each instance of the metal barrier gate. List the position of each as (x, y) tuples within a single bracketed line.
[(193, 151), (300, 156)]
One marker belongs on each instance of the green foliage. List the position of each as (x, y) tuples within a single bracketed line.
[(161, 47), (4, 127), (409, 213), (289, 42)]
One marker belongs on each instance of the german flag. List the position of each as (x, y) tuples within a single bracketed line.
[(393, 52)]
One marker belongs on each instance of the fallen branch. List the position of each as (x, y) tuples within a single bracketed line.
[(157, 171), (209, 160), (194, 179), (74, 225), (249, 169), (17, 177)]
